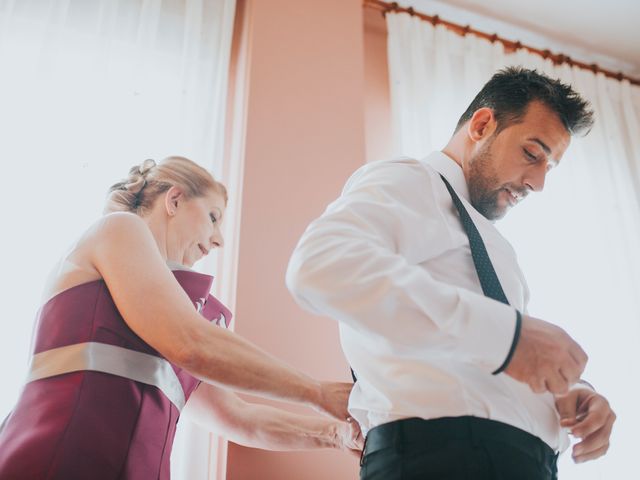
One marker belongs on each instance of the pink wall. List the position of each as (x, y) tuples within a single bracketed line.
[(304, 136), (377, 104)]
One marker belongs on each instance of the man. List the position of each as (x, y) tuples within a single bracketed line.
[(454, 379)]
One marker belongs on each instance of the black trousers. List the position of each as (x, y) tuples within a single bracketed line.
[(460, 448)]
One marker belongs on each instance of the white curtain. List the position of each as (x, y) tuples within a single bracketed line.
[(579, 241), (87, 89)]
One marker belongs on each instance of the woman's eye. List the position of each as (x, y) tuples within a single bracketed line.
[(213, 218)]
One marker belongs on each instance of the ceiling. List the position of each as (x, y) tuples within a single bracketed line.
[(604, 32)]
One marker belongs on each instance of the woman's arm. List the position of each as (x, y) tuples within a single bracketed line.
[(266, 427), (156, 308)]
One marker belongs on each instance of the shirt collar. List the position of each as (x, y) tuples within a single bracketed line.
[(446, 166)]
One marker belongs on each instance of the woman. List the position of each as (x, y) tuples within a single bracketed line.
[(121, 346)]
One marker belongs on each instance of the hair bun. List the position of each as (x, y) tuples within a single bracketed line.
[(145, 166), (135, 185), (137, 176), (148, 180)]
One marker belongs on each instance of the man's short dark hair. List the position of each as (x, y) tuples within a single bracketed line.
[(511, 89)]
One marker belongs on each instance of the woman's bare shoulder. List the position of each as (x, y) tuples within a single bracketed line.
[(117, 223), (76, 266)]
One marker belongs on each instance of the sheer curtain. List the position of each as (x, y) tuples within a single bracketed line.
[(578, 243), (87, 89)]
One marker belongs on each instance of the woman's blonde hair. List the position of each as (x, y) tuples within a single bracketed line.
[(149, 180)]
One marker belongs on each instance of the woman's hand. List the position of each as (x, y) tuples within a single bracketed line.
[(349, 437), (263, 426), (333, 399)]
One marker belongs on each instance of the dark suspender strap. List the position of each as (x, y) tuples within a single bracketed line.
[(484, 268), (489, 280)]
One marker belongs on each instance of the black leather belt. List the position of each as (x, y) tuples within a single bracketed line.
[(437, 431)]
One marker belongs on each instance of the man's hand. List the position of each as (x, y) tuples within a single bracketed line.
[(589, 417), (546, 357)]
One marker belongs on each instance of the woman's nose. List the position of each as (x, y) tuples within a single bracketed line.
[(217, 240)]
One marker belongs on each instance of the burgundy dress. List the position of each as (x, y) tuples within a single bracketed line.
[(88, 424)]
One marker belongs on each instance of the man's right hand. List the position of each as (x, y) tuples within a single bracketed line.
[(546, 357)]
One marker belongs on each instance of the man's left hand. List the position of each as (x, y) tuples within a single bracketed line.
[(588, 416)]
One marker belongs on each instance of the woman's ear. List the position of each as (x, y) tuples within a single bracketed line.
[(172, 199)]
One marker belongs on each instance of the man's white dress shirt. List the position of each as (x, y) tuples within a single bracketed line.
[(390, 261)]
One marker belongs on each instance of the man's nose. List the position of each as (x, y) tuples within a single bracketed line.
[(536, 177)]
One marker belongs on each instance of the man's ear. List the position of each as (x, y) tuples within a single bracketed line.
[(172, 199), (482, 124)]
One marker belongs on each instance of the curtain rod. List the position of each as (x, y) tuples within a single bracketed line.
[(510, 46)]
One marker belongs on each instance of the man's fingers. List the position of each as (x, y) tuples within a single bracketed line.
[(594, 429), (568, 422), (592, 423), (580, 356), (571, 370), (566, 406), (593, 446), (537, 384), (591, 455), (596, 413), (546, 358), (556, 383)]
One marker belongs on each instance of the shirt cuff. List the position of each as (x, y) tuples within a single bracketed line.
[(583, 383), (491, 336), (514, 344)]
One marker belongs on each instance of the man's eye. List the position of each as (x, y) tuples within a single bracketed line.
[(529, 155), (213, 218)]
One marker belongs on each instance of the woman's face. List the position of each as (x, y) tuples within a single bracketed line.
[(194, 227)]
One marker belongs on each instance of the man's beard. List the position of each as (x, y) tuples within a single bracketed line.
[(483, 184)]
